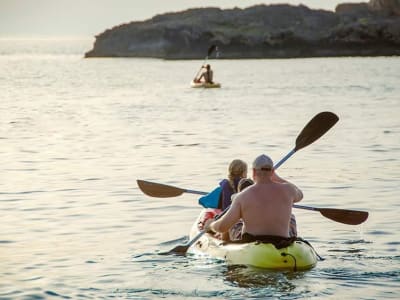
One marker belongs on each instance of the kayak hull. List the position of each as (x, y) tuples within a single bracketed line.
[(205, 85), (298, 256)]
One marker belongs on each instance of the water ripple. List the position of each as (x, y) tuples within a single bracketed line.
[(76, 134), (6, 242)]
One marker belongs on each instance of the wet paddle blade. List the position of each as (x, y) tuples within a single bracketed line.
[(316, 128), (178, 250), (350, 217), (159, 190)]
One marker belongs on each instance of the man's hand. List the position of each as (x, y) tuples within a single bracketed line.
[(207, 227)]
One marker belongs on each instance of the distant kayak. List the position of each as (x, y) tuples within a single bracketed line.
[(298, 256), (205, 85)]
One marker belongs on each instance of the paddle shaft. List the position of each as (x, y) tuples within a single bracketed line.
[(196, 192), (345, 216), (210, 50), (285, 158), (294, 205)]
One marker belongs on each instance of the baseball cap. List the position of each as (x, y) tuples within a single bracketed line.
[(263, 162)]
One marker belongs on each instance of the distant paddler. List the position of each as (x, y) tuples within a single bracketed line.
[(204, 77), (207, 74), (205, 80)]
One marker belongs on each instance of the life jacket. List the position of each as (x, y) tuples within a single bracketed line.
[(227, 190), (220, 197), (212, 199)]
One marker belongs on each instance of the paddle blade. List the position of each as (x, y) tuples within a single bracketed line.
[(350, 217), (159, 190), (178, 250), (316, 128), (211, 50)]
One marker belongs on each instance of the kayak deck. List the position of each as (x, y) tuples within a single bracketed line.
[(204, 85), (298, 256)]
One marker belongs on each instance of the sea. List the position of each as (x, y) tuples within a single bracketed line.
[(76, 134)]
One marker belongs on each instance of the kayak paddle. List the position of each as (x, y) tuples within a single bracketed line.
[(345, 216), (313, 130)]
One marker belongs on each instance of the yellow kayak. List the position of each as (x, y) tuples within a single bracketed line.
[(298, 256), (204, 85)]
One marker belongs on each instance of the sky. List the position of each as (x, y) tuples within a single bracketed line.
[(87, 18)]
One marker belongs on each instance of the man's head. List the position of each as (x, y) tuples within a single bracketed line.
[(262, 165)]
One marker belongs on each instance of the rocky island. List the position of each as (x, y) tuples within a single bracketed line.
[(273, 31)]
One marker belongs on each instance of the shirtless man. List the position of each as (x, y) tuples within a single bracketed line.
[(264, 207)]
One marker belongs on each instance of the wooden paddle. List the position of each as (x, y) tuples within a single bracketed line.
[(314, 129), (209, 52), (345, 216)]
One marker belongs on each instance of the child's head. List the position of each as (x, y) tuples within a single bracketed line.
[(244, 183), (237, 169)]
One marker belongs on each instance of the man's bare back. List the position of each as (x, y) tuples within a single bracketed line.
[(266, 208)]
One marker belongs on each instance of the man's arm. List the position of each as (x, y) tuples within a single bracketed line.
[(231, 217), (298, 194), (295, 191), (276, 178)]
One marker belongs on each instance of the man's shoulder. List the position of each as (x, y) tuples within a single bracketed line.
[(247, 193)]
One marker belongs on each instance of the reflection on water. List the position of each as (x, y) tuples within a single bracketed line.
[(250, 277)]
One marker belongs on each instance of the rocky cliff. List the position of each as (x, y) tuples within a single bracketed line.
[(274, 31)]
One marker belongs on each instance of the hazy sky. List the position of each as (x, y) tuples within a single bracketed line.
[(34, 18)]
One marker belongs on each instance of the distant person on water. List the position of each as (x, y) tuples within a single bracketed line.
[(207, 74), (264, 207)]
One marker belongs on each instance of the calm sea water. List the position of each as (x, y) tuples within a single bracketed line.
[(76, 133)]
